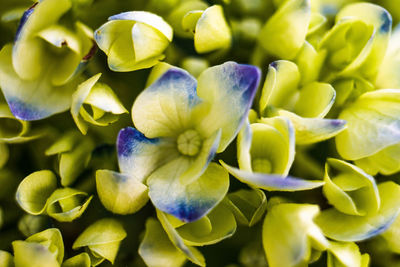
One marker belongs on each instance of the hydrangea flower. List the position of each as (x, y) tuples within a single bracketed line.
[(180, 125), (37, 72)]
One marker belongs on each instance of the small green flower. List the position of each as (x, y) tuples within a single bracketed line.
[(134, 40), (181, 125), (104, 104)]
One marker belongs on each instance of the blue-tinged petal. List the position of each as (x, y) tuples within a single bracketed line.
[(343, 227), (200, 163), (138, 156), (165, 107), (229, 89), (31, 100), (187, 202), (313, 130), (148, 18), (272, 182), (27, 52)]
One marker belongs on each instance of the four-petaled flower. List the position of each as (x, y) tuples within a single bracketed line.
[(180, 125)]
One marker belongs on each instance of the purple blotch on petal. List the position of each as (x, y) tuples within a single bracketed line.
[(24, 19), (26, 112), (128, 139)]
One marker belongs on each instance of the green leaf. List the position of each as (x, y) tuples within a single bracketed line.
[(34, 190)]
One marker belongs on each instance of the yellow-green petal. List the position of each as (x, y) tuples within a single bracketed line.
[(34, 190), (80, 260), (344, 254), (248, 205), (67, 204), (6, 259), (222, 225), (290, 235), (349, 189), (191, 253), (157, 250), (101, 99), (106, 245), (313, 130), (212, 31), (343, 227), (372, 124), (52, 239), (280, 85), (284, 33), (120, 193), (315, 100)]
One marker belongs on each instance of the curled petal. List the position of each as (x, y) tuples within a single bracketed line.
[(315, 100), (34, 190), (212, 31), (248, 205), (272, 182), (221, 222), (105, 106), (313, 130), (67, 204), (349, 189), (105, 246), (344, 227), (280, 85)]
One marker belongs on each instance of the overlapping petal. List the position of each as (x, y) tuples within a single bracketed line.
[(139, 156), (229, 90), (191, 201)]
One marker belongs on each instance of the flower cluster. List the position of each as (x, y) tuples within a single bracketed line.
[(260, 133)]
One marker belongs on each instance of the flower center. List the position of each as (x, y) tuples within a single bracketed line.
[(189, 143), (261, 165)]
